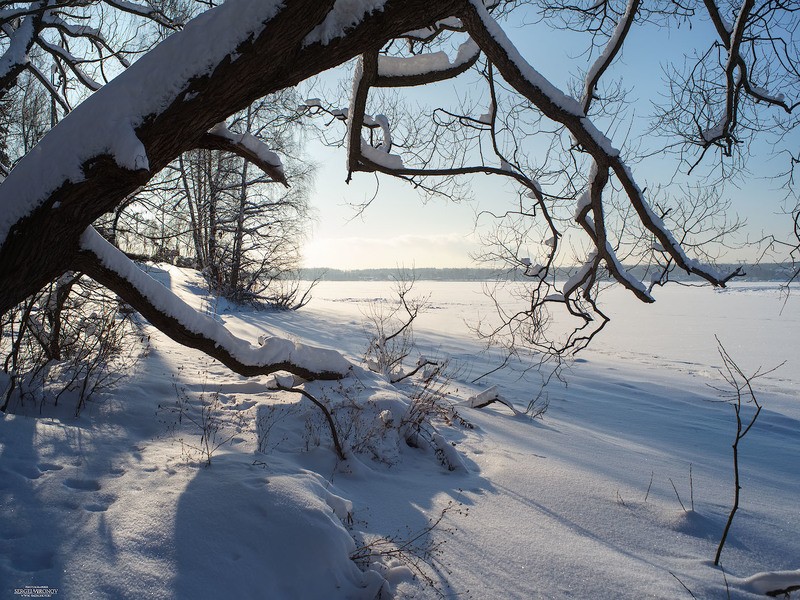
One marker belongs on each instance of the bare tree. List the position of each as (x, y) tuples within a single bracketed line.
[(241, 225), (739, 395), (587, 172), (390, 331)]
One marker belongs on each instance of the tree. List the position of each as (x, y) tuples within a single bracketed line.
[(240, 226), (168, 102)]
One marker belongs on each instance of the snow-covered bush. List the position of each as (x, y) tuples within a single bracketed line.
[(68, 342)]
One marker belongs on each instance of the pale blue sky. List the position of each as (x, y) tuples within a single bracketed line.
[(399, 229)]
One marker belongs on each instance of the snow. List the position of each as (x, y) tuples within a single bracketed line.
[(580, 276), (431, 62), (114, 504), (611, 259), (674, 247), (270, 350), (16, 53), (71, 29), (713, 133), (450, 22), (345, 15), (380, 156), (383, 122), (725, 23), (393, 66), (761, 583), (563, 101), (536, 186), (251, 143), (779, 97), (606, 54), (133, 7), (73, 61), (584, 201), (145, 88)]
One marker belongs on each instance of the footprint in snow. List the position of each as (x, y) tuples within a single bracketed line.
[(44, 467), (31, 562), (26, 470), (69, 504), (84, 485)]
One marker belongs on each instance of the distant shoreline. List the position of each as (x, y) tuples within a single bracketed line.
[(777, 272)]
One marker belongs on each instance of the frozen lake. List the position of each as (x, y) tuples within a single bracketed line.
[(757, 323)]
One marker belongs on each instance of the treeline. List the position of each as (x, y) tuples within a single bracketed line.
[(760, 272)]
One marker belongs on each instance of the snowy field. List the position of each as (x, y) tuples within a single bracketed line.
[(620, 491)]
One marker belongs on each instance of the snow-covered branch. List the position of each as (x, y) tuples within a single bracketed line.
[(248, 147), (109, 266), (422, 69), (15, 58), (565, 110), (51, 25), (163, 105), (610, 52)]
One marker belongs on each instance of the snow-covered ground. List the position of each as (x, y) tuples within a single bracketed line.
[(621, 491)]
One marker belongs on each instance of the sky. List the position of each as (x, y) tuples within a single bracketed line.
[(399, 229)]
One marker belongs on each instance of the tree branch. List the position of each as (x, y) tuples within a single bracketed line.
[(248, 147), (110, 267)]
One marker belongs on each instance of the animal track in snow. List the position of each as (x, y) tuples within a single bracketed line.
[(44, 467), (84, 485), (32, 561)]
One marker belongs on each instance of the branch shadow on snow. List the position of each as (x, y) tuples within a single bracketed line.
[(59, 478), (30, 528)]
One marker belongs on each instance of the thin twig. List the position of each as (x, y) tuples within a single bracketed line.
[(325, 411), (677, 494), (649, 485), (683, 584)]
